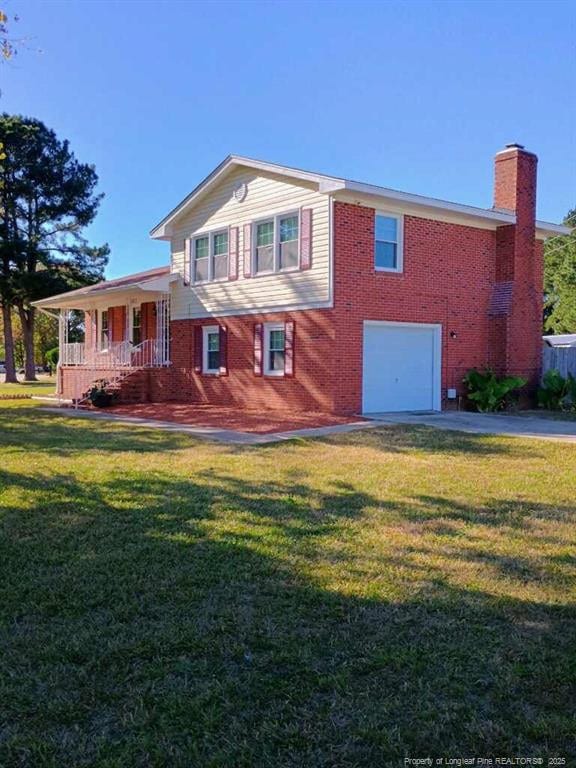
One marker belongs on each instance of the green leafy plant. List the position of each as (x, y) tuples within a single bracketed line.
[(488, 391), (51, 358), (557, 393), (99, 395)]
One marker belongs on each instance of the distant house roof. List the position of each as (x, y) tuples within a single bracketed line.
[(333, 184), (152, 279), (561, 340)]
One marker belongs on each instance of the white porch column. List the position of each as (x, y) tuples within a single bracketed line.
[(163, 329), (62, 347)]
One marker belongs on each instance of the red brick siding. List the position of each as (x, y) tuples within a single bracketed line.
[(134, 389), (448, 277), (310, 389), (519, 258)]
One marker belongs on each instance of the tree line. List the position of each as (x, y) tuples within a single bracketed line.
[(47, 198)]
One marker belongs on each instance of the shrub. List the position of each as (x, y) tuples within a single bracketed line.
[(557, 393), (99, 395), (51, 358), (489, 392)]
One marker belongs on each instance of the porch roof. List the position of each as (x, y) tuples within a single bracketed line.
[(153, 280)]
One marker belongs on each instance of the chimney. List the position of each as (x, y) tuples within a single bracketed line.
[(518, 275), (515, 181)]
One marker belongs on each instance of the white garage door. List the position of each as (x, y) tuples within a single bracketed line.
[(401, 368)]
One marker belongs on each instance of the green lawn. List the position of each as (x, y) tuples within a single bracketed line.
[(45, 386), (333, 603)]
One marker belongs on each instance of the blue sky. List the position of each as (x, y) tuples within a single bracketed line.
[(417, 96)]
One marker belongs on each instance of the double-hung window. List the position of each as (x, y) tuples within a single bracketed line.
[(211, 349), (210, 254), (201, 259), (277, 244), (265, 246), (274, 349), (388, 242), (288, 246), (104, 332), (220, 255), (136, 326)]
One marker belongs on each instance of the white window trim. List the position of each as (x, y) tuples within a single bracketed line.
[(399, 244), (206, 329), (210, 235), (276, 220), (268, 327)]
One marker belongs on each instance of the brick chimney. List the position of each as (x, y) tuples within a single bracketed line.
[(517, 299), (515, 180)]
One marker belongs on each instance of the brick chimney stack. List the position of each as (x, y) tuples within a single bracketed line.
[(519, 268), (515, 180)]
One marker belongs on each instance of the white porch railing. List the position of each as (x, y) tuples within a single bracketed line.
[(72, 354), (120, 354)]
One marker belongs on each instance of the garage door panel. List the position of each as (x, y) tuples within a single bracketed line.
[(400, 369)]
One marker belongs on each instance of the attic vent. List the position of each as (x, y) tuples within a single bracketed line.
[(240, 192)]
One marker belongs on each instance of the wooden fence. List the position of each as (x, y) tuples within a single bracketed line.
[(562, 359)]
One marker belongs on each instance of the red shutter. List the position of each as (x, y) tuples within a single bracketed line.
[(233, 253), (223, 350), (305, 238), (289, 332), (187, 260), (247, 250), (198, 349), (258, 333)]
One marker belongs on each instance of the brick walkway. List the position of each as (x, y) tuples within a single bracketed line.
[(228, 418)]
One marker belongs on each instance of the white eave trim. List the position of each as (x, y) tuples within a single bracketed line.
[(331, 185), (545, 229), (162, 230), (77, 300), (383, 193)]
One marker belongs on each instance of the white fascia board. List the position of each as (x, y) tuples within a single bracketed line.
[(162, 230), (96, 298), (429, 203), (429, 207), (544, 230), (159, 284)]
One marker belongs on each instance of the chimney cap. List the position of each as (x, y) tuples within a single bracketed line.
[(514, 145)]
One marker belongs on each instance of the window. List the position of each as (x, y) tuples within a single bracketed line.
[(104, 334), (274, 350), (211, 257), (211, 347), (277, 246), (201, 259), (265, 246), (220, 255), (136, 326), (388, 243), (288, 255)]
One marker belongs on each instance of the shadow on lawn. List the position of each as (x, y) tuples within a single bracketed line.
[(63, 436), (153, 621), (399, 438)]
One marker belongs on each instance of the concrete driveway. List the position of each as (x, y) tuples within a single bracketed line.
[(487, 424)]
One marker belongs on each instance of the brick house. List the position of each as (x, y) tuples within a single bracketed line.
[(296, 290)]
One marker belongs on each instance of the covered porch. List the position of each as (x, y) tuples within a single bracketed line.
[(109, 330)]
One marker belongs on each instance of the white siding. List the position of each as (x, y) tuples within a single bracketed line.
[(267, 195)]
